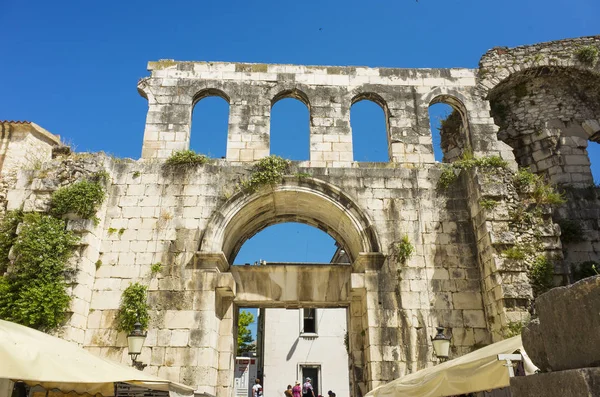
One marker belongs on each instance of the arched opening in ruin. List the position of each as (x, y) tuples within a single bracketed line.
[(449, 128), (550, 116), (369, 120), (290, 125), (292, 288), (210, 123)]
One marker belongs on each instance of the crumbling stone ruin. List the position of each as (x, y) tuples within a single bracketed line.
[(483, 232)]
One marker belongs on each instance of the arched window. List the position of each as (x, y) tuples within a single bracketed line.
[(439, 117), (210, 121), (448, 128), (369, 121), (290, 126)]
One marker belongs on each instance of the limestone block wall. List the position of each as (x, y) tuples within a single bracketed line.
[(328, 92), (155, 214)]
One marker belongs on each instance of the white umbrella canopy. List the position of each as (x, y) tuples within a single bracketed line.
[(477, 371), (37, 358)]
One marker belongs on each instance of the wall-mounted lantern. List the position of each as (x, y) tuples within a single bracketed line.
[(441, 344), (135, 341)]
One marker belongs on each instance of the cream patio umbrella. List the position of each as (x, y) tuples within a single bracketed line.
[(477, 371), (37, 358)]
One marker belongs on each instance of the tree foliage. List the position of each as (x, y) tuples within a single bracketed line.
[(245, 342)]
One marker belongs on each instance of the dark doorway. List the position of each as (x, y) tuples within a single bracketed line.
[(312, 372)]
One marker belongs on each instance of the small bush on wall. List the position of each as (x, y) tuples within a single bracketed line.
[(267, 171), (134, 308), (403, 250), (186, 158), (82, 198)]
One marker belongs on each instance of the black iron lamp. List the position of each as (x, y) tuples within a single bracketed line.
[(441, 344), (135, 341)]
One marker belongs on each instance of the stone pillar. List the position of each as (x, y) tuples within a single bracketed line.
[(330, 135), (356, 339), (227, 312), (168, 119), (410, 134), (249, 123)]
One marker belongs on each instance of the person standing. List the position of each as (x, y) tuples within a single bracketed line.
[(288, 392), (307, 388), (297, 390), (257, 388)]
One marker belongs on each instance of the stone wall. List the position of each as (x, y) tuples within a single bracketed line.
[(22, 145), (193, 220)]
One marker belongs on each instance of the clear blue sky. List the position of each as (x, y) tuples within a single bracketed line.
[(72, 66)]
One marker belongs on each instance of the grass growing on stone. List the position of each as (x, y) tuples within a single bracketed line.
[(466, 162), (588, 55), (267, 171), (186, 158), (488, 204)]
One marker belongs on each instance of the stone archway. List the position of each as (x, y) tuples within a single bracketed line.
[(305, 200), (308, 201)]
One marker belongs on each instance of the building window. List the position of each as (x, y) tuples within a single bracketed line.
[(309, 321)]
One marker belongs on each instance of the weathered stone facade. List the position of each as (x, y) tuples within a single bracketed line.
[(194, 220)]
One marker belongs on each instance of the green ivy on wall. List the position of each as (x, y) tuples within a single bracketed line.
[(34, 292)]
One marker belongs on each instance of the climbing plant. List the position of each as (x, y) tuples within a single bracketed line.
[(34, 292), (133, 308)]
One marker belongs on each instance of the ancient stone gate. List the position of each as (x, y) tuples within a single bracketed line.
[(533, 106)]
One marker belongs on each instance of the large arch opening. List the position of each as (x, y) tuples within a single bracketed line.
[(310, 201), (290, 125), (210, 123), (369, 119)]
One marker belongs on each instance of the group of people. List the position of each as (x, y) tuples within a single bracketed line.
[(306, 390)]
